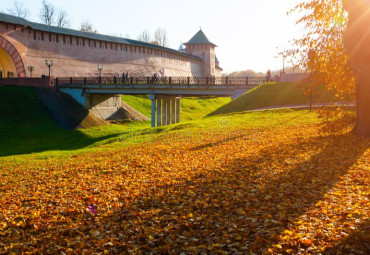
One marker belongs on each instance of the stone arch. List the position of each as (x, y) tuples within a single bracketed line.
[(14, 55)]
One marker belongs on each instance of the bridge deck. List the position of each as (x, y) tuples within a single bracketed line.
[(185, 86)]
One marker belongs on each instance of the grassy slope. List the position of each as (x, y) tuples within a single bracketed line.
[(26, 126), (275, 94), (191, 108), (28, 132)]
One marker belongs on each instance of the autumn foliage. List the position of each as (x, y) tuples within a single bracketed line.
[(287, 188), (321, 49)]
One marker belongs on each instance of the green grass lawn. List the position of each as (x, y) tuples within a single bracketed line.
[(27, 130), (276, 94), (191, 108)]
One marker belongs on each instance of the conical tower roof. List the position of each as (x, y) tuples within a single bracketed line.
[(200, 38), (181, 48)]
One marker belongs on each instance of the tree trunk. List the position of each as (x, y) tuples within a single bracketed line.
[(357, 44), (363, 105)]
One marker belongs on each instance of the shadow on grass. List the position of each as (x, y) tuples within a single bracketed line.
[(223, 208), (23, 142), (225, 140)]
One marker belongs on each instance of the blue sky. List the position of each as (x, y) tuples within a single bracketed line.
[(249, 34)]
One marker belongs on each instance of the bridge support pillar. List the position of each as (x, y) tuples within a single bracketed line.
[(159, 112), (178, 109), (165, 110), (173, 110), (168, 108), (152, 98)]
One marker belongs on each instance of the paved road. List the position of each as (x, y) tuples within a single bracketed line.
[(298, 106)]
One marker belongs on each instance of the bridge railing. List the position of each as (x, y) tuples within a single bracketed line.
[(164, 81)]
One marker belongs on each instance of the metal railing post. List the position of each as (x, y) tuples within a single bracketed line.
[(170, 80), (84, 80), (70, 80), (247, 81), (188, 81)]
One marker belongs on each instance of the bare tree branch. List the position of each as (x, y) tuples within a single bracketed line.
[(47, 13), (62, 19), (86, 26), (160, 36), (144, 36), (19, 10)]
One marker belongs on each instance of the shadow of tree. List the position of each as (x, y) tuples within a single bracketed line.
[(358, 242), (236, 208), (237, 205), (292, 191), (56, 139)]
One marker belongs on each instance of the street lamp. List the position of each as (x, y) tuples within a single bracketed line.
[(100, 68), (49, 64), (31, 68)]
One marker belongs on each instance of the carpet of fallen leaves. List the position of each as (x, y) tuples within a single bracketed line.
[(285, 190)]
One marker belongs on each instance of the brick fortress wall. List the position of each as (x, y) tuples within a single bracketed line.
[(76, 56)]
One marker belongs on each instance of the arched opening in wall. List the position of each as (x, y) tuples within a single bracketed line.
[(11, 63), (7, 66)]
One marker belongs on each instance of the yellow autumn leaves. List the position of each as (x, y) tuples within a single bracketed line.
[(286, 189)]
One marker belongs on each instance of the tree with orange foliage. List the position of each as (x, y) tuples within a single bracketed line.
[(322, 51)]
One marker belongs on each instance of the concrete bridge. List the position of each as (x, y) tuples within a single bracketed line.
[(164, 92)]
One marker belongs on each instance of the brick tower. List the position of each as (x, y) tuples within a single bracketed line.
[(201, 47)]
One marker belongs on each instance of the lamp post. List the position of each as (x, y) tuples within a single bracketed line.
[(31, 68), (49, 65), (100, 68)]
